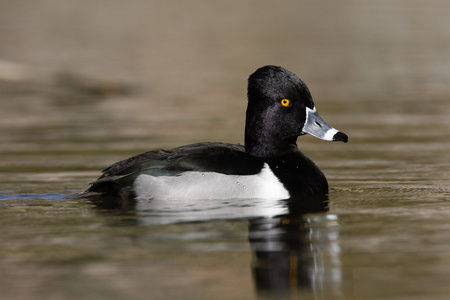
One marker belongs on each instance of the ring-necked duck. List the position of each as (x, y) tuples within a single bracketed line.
[(280, 108)]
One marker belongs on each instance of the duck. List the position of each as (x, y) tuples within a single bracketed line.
[(268, 166)]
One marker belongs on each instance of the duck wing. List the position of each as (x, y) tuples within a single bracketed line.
[(229, 159)]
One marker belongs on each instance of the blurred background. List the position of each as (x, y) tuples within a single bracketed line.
[(176, 72)]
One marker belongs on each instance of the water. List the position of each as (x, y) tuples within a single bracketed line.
[(93, 92)]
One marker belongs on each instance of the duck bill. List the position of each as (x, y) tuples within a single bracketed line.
[(315, 126)]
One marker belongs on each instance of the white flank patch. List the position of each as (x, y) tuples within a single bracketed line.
[(210, 185)]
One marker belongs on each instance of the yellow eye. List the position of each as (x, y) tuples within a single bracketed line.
[(285, 102)]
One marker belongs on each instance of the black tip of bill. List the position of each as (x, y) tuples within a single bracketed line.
[(340, 136)]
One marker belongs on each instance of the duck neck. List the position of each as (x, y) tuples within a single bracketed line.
[(261, 143)]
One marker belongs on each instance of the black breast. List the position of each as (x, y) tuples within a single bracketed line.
[(301, 177)]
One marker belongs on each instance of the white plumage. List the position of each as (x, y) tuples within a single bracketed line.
[(210, 185)]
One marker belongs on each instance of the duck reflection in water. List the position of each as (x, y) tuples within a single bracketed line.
[(297, 252), (295, 242)]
